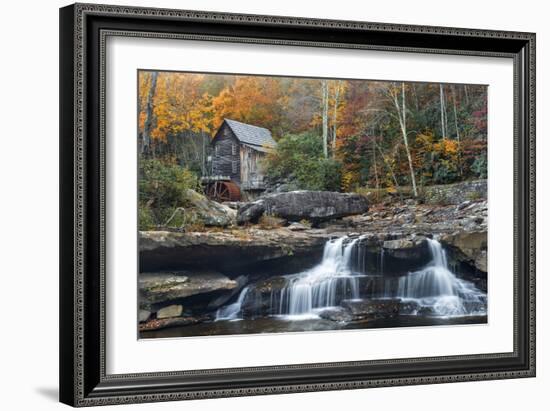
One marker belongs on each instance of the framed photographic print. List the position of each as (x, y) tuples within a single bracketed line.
[(261, 204)]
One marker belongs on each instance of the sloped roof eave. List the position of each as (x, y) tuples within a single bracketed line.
[(250, 134), (262, 149)]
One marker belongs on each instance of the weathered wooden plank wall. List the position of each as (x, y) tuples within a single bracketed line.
[(226, 158), (250, 165)]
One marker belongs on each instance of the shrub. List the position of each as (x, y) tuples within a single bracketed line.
[(479, 166), (146, 219), (299, 160), (162, 187), (438, 160)]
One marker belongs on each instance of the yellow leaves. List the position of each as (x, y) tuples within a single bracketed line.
[(249, 99), (348, 180), (430, 155), (178, 104), (425, 142), (425, 139), (447, 147)]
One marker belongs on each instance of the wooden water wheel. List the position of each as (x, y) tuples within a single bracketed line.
[(223, 191)]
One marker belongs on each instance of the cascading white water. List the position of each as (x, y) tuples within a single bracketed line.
[(324, 285), (232, 311), (438, 289), (434, 289)]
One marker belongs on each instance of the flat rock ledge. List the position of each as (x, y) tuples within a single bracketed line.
[(227, 251), (162, 287), (158, 324)]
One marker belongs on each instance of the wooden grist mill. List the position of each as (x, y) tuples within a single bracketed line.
[(236, 170)]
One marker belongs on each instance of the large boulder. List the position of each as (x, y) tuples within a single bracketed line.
[(314, 206), (203, 210), (469, 246)]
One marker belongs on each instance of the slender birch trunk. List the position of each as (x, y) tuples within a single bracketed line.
[(375, 167), (453, 95), (325, 117), (146, 136), (443, 111), (402, 116), (334, 117), (415, 95)]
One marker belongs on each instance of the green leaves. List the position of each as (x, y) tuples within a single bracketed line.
[(299, 160), (162, 187)]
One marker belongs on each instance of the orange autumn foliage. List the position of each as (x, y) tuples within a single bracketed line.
[(178, 104), (250, 100)]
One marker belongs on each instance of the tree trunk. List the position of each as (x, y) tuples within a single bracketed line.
[(146, 136), (415, 95), (325, 117), (375, 168), (453, 94), (402, 116), (443, 111), (204, 138), (334, 117), (388, 165)]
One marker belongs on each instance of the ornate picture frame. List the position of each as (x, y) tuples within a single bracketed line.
[(84, 29)]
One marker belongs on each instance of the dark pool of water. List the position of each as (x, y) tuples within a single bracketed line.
[(280, 325)]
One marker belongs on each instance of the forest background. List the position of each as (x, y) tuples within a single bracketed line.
[(336, 135)]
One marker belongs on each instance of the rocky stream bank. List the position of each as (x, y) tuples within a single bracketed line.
[(186, 278)]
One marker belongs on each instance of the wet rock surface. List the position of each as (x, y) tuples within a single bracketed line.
[(338, 314), (372, 308), (158, 324), (391, 241), (273, 325)]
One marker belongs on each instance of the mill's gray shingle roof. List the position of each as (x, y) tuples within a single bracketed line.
[(252, 135)]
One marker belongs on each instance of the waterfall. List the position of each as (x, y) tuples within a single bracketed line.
[(435, 290), (232, 311), (324, 285), (435, 287)]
